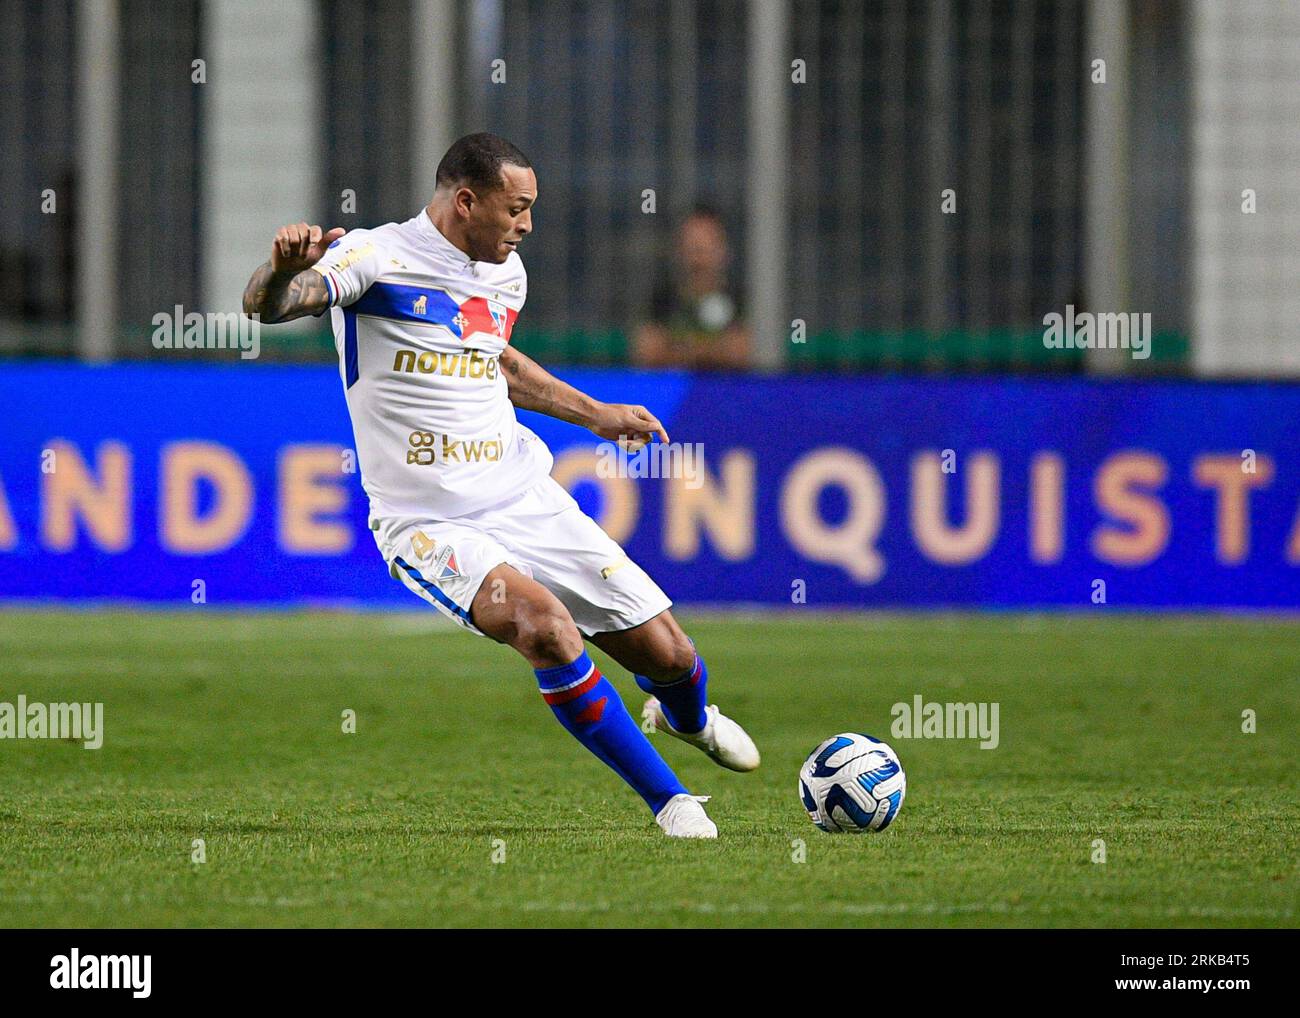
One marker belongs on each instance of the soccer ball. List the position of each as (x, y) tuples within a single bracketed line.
[(852, 783)]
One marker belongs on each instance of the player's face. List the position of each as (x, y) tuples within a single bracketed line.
[(503, 217)]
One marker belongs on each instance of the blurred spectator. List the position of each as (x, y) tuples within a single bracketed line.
[(695, 311)]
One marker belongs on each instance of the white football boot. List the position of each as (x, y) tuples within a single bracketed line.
[(721, 738), (684, 817)]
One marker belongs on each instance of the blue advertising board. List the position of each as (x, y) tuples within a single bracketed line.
[(133, 482)]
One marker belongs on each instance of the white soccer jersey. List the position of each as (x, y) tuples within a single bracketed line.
[(419, 329)]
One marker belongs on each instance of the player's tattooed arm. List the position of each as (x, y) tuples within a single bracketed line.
[(286, 286), (277, 297), (532, 387)]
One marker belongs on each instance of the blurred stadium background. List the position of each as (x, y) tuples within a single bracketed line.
[(1119, 195), (152, 148)]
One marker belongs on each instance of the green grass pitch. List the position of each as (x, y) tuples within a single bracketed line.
[(227, 727)]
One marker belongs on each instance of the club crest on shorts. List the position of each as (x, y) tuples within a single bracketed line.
[(444, 566)]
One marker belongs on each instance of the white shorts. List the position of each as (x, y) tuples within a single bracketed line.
[(540, 532)]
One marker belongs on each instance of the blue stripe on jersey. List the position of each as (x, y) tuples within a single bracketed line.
[(351, 369), (438, 595), (410, 304)]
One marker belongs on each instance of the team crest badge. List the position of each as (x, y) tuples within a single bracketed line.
[(499, 316), (445, 566)]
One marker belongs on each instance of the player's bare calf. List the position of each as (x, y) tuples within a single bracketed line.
[(518, 611), (657, 649), (515, 609), (665, 663)]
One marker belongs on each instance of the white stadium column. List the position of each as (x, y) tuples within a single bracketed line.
[(433, 69), (767, 243), (1106, 283), (264, 137), (1245, 187), (98, 85)]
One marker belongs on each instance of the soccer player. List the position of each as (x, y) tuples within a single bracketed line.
[(462, 504)]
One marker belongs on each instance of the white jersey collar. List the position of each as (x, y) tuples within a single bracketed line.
[(440, 244)]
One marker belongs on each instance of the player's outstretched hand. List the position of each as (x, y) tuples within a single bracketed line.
[(634, 426), (299, 246)]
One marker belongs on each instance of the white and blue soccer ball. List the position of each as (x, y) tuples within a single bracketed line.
[(852, 783)]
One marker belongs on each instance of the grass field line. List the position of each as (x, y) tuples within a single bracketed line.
[(241, 627), (877, 909), (89, 665), (702, 908), (1030, 619)]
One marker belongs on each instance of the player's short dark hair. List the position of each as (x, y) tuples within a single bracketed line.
[(476, 160)]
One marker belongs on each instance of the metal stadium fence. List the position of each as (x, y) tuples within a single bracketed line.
[(916, 183)]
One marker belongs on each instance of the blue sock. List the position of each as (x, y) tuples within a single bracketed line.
[(590, 708), (682, 699)]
